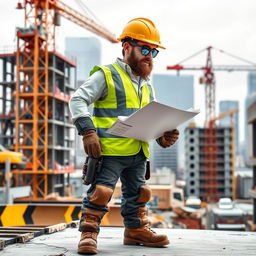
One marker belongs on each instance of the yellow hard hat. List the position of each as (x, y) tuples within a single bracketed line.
[(141, 29)]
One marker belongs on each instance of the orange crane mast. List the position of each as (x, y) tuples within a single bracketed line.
[(34, 44)]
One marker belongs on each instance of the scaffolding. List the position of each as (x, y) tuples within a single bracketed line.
[(35, 119)]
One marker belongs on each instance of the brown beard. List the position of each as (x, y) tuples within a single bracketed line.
[(138, 67)]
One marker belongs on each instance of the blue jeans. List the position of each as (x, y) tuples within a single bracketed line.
[(131, 170)]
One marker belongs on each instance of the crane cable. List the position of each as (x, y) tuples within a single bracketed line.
[(193, 55), (88, 12), (236, 57), (221, 51)]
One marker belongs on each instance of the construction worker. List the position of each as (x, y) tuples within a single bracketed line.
[(116, 90)]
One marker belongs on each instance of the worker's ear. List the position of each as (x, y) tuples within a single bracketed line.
[(126, 47)]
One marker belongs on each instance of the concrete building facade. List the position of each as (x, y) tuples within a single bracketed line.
[(197, 175)]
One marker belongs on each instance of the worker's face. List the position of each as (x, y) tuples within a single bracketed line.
[(140, 64)]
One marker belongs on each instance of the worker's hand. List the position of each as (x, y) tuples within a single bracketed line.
[(92, 145), (169, 138)]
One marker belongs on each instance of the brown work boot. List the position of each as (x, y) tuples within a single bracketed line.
[(88, 243), (89, 227), (144, 236)]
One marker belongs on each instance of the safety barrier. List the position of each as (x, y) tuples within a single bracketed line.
[(50, 214)]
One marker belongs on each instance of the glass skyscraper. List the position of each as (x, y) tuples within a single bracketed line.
[(224, 106), (250, 98), (87, 51), (251, 84), (178, 92)]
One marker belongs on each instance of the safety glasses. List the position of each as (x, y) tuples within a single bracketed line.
[(145, 50)]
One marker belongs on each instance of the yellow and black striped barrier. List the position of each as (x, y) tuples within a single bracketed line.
[(43, 214), (50, 214)]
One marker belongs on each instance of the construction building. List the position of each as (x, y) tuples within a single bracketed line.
[(200, 181), (7, 101), (210, 170), (19, 103), (36, 85)]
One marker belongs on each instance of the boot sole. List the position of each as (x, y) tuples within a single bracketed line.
[(87, 250), (130, 241)]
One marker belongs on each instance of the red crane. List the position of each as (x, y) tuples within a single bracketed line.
[(210, 133), (209, 77)]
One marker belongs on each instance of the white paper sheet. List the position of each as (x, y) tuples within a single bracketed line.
[(151, 122)]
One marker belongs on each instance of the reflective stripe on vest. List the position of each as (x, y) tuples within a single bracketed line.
[(122, 100)]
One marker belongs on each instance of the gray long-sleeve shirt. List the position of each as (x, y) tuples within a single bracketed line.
[(93, 89)]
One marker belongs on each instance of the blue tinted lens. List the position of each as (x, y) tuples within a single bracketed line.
[(145, 51), (154, 52)]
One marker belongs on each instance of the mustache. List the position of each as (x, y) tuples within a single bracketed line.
[(147, 59)]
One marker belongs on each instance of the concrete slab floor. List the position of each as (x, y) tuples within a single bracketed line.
[(183, 242)]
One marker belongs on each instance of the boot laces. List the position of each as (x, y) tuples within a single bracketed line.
[(149, 229), (89, 234)]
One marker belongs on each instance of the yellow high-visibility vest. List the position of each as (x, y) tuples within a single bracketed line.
[(122, 100)]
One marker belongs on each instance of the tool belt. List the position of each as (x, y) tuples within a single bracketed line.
[(90, 168)]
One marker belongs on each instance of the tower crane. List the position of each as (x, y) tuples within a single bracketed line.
[(208, 78), (35, 43)]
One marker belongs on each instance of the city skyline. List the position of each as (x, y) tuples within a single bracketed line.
[(86, 58), (185, 26), (178, 92)]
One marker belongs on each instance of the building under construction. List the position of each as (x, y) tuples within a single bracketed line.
[(36, 85), (210, 151), (209, 165), (37, 122)]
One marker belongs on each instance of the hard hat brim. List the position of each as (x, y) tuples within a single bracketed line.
[(144, 40)]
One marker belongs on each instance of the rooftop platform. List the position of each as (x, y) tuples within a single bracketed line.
[(183, 242)]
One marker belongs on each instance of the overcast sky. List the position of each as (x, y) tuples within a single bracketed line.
[(186, 26)]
